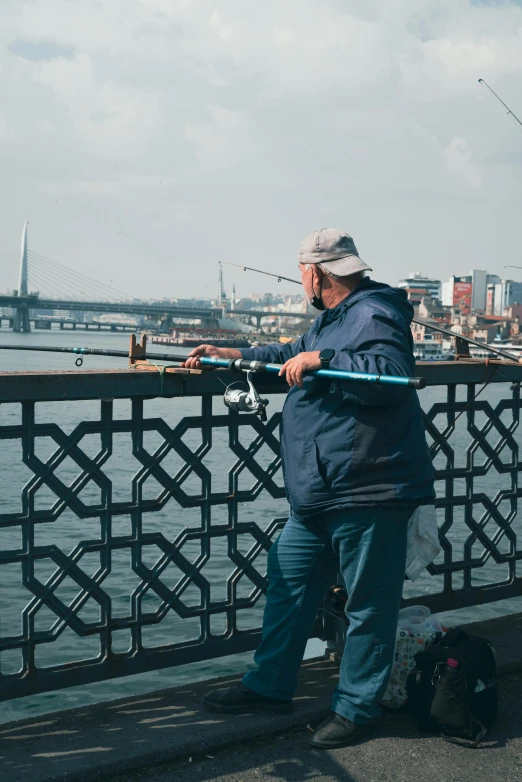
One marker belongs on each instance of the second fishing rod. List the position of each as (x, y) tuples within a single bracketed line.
[(419, 321)]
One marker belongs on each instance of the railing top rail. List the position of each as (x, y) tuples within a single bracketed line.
[(61, 385)]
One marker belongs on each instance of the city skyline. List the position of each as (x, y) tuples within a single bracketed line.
[(477, 291)]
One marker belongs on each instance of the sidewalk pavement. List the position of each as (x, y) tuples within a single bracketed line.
[(398, 753), (132, 736)]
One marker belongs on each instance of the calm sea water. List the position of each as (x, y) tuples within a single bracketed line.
[(68, 530)]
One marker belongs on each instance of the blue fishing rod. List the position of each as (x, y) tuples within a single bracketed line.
[(245, 365)]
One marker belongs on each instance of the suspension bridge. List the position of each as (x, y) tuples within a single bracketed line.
[(46, 285)]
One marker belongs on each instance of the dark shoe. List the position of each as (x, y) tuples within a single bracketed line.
[(337, 731), (241, 700)]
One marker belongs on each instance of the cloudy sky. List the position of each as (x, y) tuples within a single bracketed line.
[(147, 139)]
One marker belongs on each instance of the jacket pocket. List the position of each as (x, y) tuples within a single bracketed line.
[(305, 479), (331, 459), (375, 429)]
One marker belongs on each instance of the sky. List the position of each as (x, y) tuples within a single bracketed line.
[(146, 140)]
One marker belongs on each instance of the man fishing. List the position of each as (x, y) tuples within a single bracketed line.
[(356, 465)]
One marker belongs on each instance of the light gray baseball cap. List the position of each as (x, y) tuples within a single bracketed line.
[(335, 248)]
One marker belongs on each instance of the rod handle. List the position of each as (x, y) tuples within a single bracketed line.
[(417, 382)]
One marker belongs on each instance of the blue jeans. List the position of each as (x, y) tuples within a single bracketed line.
[(368, 546)]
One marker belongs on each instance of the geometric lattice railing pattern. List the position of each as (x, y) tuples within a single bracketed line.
[(134, 532), (474, 444)]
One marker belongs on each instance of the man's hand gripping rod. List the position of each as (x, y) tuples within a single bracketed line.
[(243, 365)]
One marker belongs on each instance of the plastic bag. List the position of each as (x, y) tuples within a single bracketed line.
[(423, 545), (417, 629), (418, 620)]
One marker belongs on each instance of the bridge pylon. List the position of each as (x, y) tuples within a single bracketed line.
[(21, 320)]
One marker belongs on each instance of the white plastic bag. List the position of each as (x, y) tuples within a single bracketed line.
[(417, 629), (423, 545), (418, 620)]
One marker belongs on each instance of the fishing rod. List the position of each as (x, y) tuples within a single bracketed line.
[(485, 84), (419, 321), (260, 271), (81, 352), (236, 365)]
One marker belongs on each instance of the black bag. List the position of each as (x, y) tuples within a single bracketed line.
[(460, 701)]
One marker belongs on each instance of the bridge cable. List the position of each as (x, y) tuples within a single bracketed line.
[(49, 285), (57, 282), (90, 289), (77, 276), (42, 282)]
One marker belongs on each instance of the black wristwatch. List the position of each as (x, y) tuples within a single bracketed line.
[(325, 356)]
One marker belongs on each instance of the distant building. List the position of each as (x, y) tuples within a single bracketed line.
[(457, 293), (77, 315), (487, 328), (501, 329), (480, 280), (416, 295), (422, 332), (490, 299), (433, 309), (417, 286), (505, 294), (470, 293), (514, 312), (479, 283)]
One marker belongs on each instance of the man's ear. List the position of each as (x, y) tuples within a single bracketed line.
[(317, 276)]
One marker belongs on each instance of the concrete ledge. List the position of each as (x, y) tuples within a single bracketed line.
[(126, 735)]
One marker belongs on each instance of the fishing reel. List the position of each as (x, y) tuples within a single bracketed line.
[(246, 401), (338, 598)]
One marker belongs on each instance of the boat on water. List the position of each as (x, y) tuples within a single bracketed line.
[(432, 350), (191, 337), (509, 347)]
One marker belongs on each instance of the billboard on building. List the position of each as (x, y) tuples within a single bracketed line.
[(462, 296)]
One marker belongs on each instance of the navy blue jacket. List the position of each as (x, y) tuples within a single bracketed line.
[(345, 443)]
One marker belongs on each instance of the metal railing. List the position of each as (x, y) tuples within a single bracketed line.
[(90, 574)]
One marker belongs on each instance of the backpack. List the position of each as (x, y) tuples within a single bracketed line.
[(459, 699)]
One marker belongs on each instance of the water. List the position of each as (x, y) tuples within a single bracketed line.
[(67, 530)]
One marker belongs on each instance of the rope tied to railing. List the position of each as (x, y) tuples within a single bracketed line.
[(161, 369)]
